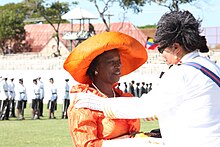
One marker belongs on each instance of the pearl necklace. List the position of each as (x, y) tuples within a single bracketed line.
[(114, 95)]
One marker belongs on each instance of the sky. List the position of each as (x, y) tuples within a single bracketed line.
[(206, 10)]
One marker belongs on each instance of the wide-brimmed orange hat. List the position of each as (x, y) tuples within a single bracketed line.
[(132, 54)]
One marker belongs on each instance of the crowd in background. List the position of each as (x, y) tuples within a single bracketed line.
[(136, 88)]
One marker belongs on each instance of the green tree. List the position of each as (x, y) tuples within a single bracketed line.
[(52, 14), (172, 5), (12, 31), (135, 5), (48, 12)]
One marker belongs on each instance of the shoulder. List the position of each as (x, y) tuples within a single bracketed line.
[(79, 88)]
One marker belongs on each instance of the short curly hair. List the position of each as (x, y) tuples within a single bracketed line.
[(180, 27)]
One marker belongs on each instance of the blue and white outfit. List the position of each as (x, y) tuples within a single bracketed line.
[(41, 104), (66, 100), (21, 100), (35, 101), (52, 105), (11, 89), (4, 97)]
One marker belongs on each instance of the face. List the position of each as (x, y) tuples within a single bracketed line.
[(170, 54), (109, 67), (20, 81), (51, 81), (35, 82)]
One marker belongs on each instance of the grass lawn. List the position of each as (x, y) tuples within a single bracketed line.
[(44, 132)]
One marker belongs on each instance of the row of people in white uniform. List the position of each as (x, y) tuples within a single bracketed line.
[(9, 94)]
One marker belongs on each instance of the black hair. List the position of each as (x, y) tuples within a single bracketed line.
[(92, 67), (180, 27)]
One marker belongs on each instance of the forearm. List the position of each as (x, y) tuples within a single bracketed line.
[(128, 108)]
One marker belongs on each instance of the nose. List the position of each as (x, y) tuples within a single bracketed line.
[(118, 64)]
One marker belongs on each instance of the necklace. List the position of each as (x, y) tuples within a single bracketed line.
[(114, 95)]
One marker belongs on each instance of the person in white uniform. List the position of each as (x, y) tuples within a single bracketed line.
[(11, 90), (52, 104), (4, 96), (66, 99), (35, 100), (186, 99), (21, 99), (41, 104)]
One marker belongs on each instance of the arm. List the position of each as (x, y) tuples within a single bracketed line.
[(167, 95)]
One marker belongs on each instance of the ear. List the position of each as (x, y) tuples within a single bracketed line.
[(177, 48)]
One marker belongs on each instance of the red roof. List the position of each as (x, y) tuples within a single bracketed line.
[(38, 35)]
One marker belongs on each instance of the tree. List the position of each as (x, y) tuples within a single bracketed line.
[(135, 5), (12, 33), (172, 5), (52, 14), (107, 5)]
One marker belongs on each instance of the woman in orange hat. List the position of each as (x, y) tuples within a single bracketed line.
[(186, 100), (97, 64)]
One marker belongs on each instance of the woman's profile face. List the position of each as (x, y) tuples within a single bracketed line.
[(170, 55), (109, 67)]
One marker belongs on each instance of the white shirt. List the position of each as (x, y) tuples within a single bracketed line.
[(36, 92), (41, 85), (21, 92), (11, 89), (67, 91), (3, 90), (186, 101), (53, 90)]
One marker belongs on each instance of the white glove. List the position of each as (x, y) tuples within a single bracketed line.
[(89, 100)]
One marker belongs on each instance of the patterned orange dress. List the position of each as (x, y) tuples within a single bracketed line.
[(88, 128)]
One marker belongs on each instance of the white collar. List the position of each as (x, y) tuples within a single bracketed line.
[(190, 56)]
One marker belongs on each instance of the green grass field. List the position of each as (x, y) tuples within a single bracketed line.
[(44, 132)]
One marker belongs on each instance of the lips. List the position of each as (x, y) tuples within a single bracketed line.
[(117, 72)]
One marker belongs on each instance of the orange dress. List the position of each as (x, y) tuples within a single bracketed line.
[(88, 128)]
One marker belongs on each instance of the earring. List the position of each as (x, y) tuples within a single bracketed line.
[(175, 57), (96, 72)]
